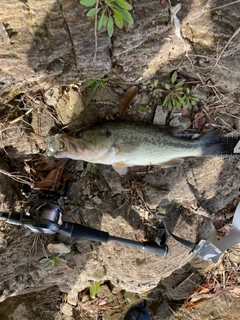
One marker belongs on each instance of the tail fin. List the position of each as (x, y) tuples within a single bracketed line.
[(215, 144)]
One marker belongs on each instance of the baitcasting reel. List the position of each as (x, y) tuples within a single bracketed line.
[(43, 215)]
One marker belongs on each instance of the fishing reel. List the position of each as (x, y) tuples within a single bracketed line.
[(41, 215)]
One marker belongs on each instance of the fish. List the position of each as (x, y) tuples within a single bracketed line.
[(125, 144)]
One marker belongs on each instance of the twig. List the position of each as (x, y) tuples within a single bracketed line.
[(95, 33), (20, 118), (183, 281), (224, 5), (219, 57), (32, 98), (16, 178)]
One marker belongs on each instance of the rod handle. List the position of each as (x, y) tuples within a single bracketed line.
[(79, 231)]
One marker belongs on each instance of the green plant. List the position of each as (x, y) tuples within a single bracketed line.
[(142, 109), (176, 94), (90, 165), (53, 261), (94, 288), (112, 12), (93, 85)]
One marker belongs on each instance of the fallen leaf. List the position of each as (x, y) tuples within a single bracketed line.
[(199, 121), (165, 3), (45, 164), (126, 99), (52, 179), (204, 290), (202, 297)]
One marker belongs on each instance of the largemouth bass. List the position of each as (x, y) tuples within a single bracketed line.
[(124, 144)]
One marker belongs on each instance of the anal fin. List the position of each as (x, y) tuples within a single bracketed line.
[(172, 163)]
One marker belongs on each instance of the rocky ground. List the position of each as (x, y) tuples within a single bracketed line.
[(192, 196)]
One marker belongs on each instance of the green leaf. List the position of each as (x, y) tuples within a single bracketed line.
[(174, 102), (43, 260), (142, 109), (178, 105), (94, 288), (92, 12), (63, 261), (89, 165), (123, 4), (126, 16), (103, 84), (50, 264), (195, 96), (101, 21), (170, 106), (167, 86), (92, 93), (174, 77), (189, 105), (88, 83), (187, 90), (158, 90), (105, 20), (194, 99), (181, 100), (88, 3), (117, 18), (108, 2), (110, 27), (165, 101), (180, 83), (180, 90), (155, 82)]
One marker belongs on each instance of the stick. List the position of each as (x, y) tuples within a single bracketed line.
[(219, 57)]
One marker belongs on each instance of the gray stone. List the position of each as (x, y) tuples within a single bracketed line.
[(160, 115), (58, 248), (67, 310)]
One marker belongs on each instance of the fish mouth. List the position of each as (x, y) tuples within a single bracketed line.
[(56, 146)]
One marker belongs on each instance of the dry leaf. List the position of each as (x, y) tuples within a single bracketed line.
[(165, 3), (204, 290), (202, 297), (126, 99), (52, 179), (45, 164), (199, 121)]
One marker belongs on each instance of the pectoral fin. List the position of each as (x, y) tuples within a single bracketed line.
[(126, 147), (120, 167), (171, 163)]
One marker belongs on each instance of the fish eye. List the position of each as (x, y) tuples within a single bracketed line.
[(78, 135)]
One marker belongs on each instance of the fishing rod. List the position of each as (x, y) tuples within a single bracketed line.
[(43, 215)]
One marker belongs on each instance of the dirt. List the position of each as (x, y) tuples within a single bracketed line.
[(192, 196)]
